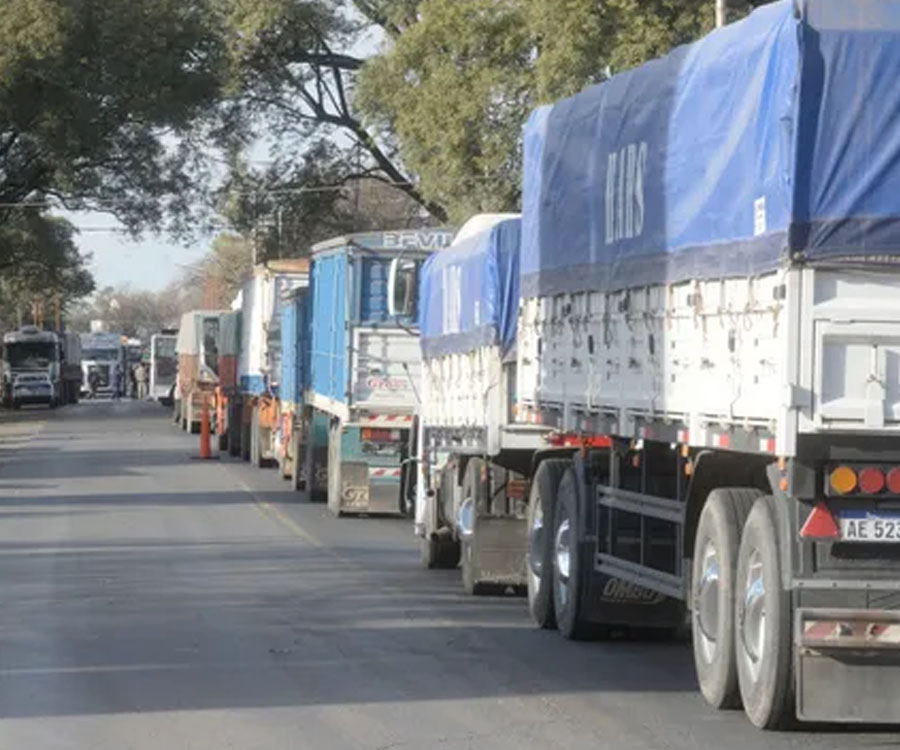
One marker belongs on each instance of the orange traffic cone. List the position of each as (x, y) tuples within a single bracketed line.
[(205, 432)]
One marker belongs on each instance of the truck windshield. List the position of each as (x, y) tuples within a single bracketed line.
[(30, 353), (100, 355)]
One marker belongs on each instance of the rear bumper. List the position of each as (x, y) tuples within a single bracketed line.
[(33, 399), (847, 665)]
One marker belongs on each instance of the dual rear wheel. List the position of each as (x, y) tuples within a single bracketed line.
[(740, 609)]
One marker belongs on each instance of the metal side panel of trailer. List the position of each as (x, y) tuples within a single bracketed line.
[(744, 364)]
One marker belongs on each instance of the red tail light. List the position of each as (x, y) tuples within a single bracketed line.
[(820, 524), (893, 481), (871, 480)]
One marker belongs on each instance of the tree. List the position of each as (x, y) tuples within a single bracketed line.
[(215, 280), (459, 77), (40, 269), (97, 98), (292, 78)]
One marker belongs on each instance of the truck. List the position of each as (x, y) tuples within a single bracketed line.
[(100, 353), (253, 407), (163, 366), (70, 372), (707, 328), (33, 368), (468, 314), (307, 473), (364, 366), (206, 348)]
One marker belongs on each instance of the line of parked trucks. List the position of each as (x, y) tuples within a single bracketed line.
[(667, 394)]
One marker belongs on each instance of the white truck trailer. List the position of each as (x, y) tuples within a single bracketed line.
[(253, 407), (709, 315)]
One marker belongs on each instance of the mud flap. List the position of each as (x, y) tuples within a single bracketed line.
[(847, 666), (498, 550), (359, 494)]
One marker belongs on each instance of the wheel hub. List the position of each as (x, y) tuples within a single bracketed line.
[(706, 606), (753, 624), (563, 557), (536, 543)]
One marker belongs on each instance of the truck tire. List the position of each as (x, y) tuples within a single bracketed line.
[(439, 552), (297, 461), (762, 623), (568, 603), (255, 450), (541, 507), (334, 468), (475, 495), (245, 440), (234, 432), (713, 589)]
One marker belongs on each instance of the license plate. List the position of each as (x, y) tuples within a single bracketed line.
[(864, 526)]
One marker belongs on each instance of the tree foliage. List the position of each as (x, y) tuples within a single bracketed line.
[(292, 74), (455, 85), (95, 96), (40, 268)]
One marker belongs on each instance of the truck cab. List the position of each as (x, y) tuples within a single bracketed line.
[(31, 367), (364, 366), (100, 353)]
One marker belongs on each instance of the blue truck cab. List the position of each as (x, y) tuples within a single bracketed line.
[(364, 369)]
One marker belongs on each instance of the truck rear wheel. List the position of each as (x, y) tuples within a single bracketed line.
[(541, 507), (474, 497), (297, 460), (255, 451), (439, 552), (763, 623), (568, 575), (713, 589)]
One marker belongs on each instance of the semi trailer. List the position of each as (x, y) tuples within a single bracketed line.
[(364, 366), (253, 407), (707, 332), (206, 348), (163, 366)]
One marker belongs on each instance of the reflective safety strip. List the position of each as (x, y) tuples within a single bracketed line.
[(856, 631), (382, 473), (387, 420), (767, 445)]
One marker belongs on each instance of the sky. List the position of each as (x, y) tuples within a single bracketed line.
[(154, 261), (150, 263)]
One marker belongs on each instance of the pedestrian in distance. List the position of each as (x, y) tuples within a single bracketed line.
[(140, 376)]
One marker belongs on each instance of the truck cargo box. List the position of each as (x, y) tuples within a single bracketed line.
[(710, 240), (468, 311), (362, 359), (261, 300)]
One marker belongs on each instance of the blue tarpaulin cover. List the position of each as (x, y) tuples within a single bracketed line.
[(773, 139), (469, 294)]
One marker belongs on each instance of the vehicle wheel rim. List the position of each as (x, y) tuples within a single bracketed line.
[(707, 604), (753, 621), (563, 559), (536, 546)]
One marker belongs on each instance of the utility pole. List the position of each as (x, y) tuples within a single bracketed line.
[(721, 13)]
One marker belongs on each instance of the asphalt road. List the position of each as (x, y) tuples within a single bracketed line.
[(148, 600)]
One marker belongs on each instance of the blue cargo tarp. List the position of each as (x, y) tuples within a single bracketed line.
[(770, 140), (469, 294)]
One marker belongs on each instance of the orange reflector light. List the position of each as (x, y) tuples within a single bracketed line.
[(893, 481), (820, 524), (871, 480), (843, 480)]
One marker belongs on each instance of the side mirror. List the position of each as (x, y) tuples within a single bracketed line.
[(403, 287)]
